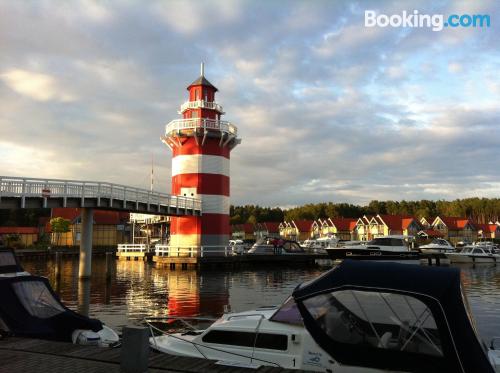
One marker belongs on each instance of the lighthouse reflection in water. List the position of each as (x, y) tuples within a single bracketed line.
[(139, 290)]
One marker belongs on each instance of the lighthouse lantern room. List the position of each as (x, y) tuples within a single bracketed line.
[(201, 144)]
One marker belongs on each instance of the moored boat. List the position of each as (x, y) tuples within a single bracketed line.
[(357, 317), (30, 308), (474, 254), (437, 246), (382, 248)]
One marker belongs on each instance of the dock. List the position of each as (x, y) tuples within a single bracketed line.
[(40, 356)]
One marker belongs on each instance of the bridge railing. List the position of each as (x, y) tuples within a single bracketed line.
[(192, 251), (55, 188)]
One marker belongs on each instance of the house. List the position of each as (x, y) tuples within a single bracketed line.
[(266, 229), (426, 223), (487, 231), (342, 228), (368, 227), (296, 230), (455, 229), (243, 231), (399, 225), (19, 236), (108, 228)]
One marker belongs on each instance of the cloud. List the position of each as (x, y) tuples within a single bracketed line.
[(327, 109), (40, 87)]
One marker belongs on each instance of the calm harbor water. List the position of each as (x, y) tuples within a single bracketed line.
[(138, 290)]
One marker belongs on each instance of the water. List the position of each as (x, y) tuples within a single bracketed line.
[(138, 290)]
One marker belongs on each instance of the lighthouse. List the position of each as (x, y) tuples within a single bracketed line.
[(201, 144)]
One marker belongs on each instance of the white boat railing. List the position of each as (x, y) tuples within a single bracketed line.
[(125, 248), (201, 104), (192, 251), (196, 345), (56, 188), (178, 125)]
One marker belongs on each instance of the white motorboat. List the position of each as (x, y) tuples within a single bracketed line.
[(393, 247), (474, 254), (319, 245), (267, 247), (360, 316), (30, 308), (437, 246), (237, 247)]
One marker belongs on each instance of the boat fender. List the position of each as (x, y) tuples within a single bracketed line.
[(85, 337)]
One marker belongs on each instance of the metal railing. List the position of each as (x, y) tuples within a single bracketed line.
[(201, 104), (125, 248), (201, 123), (56, 188), (192, 251)]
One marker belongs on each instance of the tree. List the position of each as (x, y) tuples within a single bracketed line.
[(59, 225)]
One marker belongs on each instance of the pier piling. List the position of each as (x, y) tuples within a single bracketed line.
[(135, 350), (85, 267)]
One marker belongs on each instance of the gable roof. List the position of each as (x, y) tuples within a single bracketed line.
[(303, 225), (343, 224), (396, 222), (454, 222)]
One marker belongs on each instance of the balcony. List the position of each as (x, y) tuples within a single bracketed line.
[(178, 125), (201, 104)]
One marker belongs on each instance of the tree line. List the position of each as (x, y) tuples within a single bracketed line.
[(480, 210)]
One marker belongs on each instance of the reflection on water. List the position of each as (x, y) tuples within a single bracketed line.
[(138, 290)]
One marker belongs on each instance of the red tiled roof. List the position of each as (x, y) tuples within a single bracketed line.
[(455, 223), (271, 226), (396, 222), (491, 228), (303, 225), (343, 224), (18, 230), (433, 233)]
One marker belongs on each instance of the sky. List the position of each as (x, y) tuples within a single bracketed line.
[(327, 109)]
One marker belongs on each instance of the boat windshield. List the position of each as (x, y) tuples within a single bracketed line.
[(388, 241), (288, 313), (7, 259), (378, 319), (37, 299)]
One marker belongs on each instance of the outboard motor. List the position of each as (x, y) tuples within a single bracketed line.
[(85, 337)]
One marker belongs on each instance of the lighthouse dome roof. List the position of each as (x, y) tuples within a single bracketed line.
[(202, 81)]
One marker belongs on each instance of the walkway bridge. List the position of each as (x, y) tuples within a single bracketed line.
[(18, 192), (22, 193)]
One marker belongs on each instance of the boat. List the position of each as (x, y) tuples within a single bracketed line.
[(382, 248), (266, 247), (437, 246), (237, 247), (30, 308), (475, 254), (360, 316), (319, 245)]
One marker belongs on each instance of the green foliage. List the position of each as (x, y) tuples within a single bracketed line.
[(480, 210), (59, 225)]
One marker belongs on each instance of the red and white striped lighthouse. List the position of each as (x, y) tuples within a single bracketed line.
[(201, 144)]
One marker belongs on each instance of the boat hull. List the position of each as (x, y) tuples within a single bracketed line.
[(460, 258), (371, 254)]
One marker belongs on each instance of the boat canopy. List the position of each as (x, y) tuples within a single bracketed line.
[(393, 316), (8, 262), (30, 308)]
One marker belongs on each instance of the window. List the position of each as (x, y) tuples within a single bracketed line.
[(288, 313), (376, 319), (37, 299), (7, 259), (246, 339)]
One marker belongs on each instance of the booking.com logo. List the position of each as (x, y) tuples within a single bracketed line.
[(415, 19)]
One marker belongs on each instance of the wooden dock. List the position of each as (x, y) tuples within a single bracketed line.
[(39, 356), (237, 261)]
